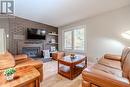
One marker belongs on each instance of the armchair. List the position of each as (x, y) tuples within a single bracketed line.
[(7, 60)]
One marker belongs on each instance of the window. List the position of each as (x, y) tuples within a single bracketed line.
[(126, 34), (68, 40), (74, 39), (79, 39)]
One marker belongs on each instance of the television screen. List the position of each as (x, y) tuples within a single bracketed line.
[(36, 33)]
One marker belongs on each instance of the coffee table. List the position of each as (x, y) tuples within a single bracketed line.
[(26, 76), (71, 67)]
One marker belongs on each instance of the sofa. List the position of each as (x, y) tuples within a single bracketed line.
[(110, 71), (7, 60)]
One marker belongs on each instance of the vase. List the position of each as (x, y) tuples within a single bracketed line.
[(10, 77)]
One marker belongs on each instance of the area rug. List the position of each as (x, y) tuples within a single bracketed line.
[(52, 79)]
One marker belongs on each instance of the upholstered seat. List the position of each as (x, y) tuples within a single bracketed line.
[(108, 70), (31, 62), (113, 64)]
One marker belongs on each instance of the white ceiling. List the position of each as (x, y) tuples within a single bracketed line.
[(62, 12)]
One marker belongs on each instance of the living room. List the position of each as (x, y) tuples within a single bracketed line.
[(54, 43)]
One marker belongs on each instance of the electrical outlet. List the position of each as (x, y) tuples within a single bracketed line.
[(97, 59)]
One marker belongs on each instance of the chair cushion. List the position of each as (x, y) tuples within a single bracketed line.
[(6, 60), (108, 70), (20, 57), (30, 62), (112, 57), (110, 63)]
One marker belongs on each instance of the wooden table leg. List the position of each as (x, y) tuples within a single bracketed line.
[(38, 82), (71, 72), (58, 66), (85, 61)]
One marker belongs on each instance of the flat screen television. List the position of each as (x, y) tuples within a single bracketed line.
[(39, 34)]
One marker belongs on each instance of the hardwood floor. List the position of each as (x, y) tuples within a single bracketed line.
[(53, 79)]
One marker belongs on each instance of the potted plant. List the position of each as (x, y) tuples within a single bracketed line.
[(9, 73)]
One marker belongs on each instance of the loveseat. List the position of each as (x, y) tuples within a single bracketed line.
[(110, 71), (7, 60)]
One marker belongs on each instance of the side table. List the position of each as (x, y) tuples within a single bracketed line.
[(71, 67), (24, 77)]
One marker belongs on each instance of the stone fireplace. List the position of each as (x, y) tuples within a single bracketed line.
[(32, 49)]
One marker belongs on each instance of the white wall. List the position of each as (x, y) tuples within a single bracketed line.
[(2, 41), (104, 33)]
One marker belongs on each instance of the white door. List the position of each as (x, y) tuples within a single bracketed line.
[(2, 41)]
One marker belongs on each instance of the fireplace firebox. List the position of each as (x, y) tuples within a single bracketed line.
[(32, 51)]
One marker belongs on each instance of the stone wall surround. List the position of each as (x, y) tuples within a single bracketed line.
[(18, 26)]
